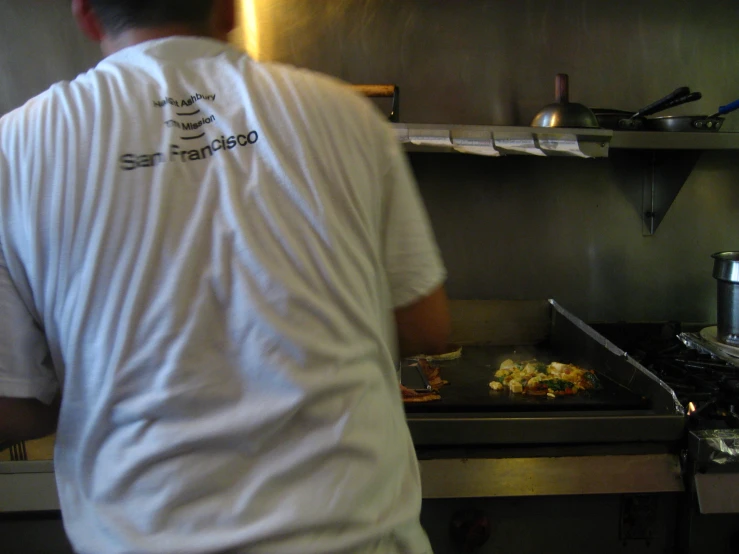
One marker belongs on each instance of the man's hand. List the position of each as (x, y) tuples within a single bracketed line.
[(425, 325), (24, 419)]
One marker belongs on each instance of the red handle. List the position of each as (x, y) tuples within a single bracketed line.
[(562, 88)]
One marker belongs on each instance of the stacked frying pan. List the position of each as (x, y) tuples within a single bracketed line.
[(639, 120)]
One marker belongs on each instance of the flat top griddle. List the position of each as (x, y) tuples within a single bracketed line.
[(469, 391)]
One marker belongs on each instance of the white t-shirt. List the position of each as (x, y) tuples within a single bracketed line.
[(204, 252)]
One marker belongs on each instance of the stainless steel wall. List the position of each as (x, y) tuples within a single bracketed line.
[(41, 46), (532, 228), (508, 228), (571, 230), (494, 61)]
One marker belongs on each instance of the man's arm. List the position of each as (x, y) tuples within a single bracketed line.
[(26, 419), (29, 404), (29, 389), (424, 326), (412, 261)]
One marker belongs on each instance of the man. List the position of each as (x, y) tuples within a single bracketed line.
[(213, 262)]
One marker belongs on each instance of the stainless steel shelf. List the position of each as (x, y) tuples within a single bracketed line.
[(492, 140), (654, 140), (489, 140), (664, 159)]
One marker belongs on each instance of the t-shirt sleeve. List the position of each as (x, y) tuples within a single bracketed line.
[(25, 369), (412, 259)]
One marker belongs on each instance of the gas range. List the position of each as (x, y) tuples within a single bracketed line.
[(706, 386)]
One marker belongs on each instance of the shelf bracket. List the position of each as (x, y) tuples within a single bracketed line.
[(662, 174), (667, 172)]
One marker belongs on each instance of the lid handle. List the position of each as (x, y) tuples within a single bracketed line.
[(562, 88)]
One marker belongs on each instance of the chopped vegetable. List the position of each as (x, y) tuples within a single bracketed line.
[(536, 378)]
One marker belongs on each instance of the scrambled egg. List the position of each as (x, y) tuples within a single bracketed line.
[(534, 377)]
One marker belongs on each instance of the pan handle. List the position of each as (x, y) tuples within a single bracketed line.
[(657, 106), (692, 97), (728, 108), (383, 91)]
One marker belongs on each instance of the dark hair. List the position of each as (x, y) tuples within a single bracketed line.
[(120, 15)]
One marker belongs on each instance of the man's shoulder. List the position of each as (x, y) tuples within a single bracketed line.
[(290, 73), (327, 106), (48, 105), (23, 113), (315, 86)]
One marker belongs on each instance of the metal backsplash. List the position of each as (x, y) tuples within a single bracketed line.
[(528, 228), (494, 61), (41, 46), (523, 228), (508, 228)]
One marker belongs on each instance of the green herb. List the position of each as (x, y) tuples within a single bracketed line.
[(557, 384), (592, 379)]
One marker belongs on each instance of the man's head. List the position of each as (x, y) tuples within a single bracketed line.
[(119, 23)]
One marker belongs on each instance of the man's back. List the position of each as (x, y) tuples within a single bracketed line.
[(204, 241)]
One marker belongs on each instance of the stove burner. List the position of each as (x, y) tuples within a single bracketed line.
[(707, 387), (711, 387)]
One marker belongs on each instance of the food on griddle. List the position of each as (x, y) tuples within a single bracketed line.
[(432, 374), (454, 354), (538, 379), (411, 396), (433, 378)]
